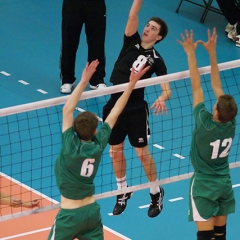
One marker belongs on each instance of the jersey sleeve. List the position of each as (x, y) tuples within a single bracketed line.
[(234, 122), (69, 140), (161, 68), (102, 136), (201, 114), (128, 40)]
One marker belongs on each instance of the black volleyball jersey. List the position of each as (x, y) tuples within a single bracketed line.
[(131, 52)]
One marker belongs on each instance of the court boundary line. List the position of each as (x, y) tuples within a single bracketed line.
[(28, 188), (49, 228), (116, 233), (26, 233)]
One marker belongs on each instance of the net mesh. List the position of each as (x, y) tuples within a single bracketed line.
[(31, 139)]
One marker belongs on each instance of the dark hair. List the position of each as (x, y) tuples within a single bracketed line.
[(85, 125), (227, 108), (163, 27)]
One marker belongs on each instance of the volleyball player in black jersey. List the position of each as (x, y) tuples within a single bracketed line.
[(133, 122)]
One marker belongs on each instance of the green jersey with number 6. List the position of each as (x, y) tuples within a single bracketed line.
[(78, 161), (211, 143)]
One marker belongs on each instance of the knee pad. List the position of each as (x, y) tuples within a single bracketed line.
[(220, 232), (116, 149), (205, 235)]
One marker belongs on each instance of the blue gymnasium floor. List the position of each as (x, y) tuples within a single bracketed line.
[(29, 50)]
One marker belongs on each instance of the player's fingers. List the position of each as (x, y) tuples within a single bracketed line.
[(182, 36), (214, 31), (163, 107), (179, 42), (152, 106), (142, 70), (94, 63), (146, 69), (132, 70), (191, 33)]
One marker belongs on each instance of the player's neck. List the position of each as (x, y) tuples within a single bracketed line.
[(147, 46), (85, 140), (215, 118)]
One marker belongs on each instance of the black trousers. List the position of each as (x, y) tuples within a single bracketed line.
[(75, 14), (231, 11)]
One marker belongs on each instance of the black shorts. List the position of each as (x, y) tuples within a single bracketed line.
[(132, 123)]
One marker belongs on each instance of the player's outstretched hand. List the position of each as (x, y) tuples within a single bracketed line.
[(159, 106), (187, 42), (136, 75), (89, 71), (210, 45)]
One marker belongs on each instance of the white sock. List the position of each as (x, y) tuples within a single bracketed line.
[(154, 189), (121, 183)]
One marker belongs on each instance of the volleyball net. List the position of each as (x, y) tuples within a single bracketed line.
[(30, 140)]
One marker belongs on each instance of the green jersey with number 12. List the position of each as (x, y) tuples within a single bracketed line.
[(211, 143)]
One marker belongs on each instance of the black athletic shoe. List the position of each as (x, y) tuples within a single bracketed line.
[(156, 204), (121, 203)]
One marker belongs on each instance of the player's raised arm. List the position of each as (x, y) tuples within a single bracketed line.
[(210, 46), (72, 101), (189, 47), (132, 23), (122, 101)]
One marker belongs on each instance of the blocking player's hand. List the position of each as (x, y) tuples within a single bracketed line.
[(89, 71), (210, 45), (137, 74), (187, 42)]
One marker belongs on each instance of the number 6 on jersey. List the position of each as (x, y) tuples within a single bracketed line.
[(87, 167)]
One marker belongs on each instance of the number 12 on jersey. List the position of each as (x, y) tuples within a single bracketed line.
[(226, 143)]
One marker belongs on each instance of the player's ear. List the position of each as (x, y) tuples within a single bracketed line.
[(158, 38), (216, 114)]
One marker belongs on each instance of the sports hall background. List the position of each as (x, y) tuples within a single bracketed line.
[(29, 50)]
